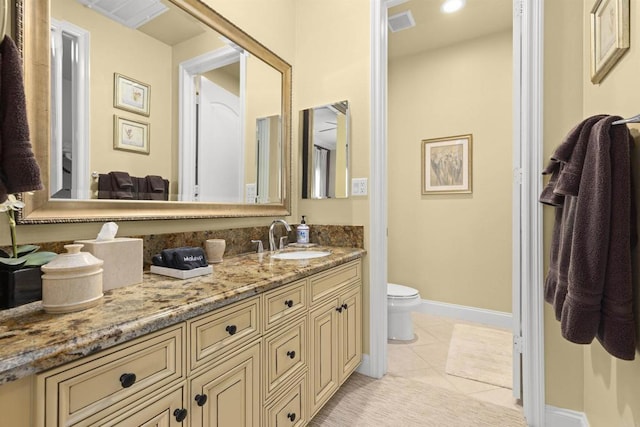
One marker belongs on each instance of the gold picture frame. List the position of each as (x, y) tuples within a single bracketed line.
[(130, 135), (446, 165), (609, 36), (131, 95)]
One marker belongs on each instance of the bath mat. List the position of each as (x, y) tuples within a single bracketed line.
[(481, 354)]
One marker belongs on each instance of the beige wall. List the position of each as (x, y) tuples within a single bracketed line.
[(562, 110), (612, 386), (139, 57), (453, 248), (333, 64)]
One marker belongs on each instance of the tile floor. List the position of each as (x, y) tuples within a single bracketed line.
[(425, 359)]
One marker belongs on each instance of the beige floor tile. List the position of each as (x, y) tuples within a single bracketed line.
[(425, 359), (402, 358), (442, 332), (433, 354)]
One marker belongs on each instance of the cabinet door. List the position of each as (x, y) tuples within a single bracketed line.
[(350, 332), (323, 352), (165, 411), (228, 393)]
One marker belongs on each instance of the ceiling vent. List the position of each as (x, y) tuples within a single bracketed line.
[(401, 21), (130, 13)]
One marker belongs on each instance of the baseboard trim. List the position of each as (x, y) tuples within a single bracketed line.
[(494, 318), (559, 417)]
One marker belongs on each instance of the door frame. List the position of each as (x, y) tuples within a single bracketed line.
[(81, 143), (528, 33), (187, 100)]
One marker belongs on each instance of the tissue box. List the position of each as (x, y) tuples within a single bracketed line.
[(122, 258)]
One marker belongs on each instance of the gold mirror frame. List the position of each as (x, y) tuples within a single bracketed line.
[(32, 22)]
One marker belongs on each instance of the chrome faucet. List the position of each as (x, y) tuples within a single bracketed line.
[(272, 240)]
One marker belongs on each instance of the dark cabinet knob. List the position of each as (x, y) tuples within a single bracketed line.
[(180, 414), (289, 303), (291, 354), (231, 329), (339, 309), (345, 306), (291, 416), (201, 399), (127, 380)]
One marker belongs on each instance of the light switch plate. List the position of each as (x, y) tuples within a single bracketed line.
[(359, 187)]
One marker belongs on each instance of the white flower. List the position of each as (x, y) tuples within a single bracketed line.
[(11, 203)]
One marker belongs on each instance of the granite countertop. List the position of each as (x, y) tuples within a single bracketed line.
[(32, 341)]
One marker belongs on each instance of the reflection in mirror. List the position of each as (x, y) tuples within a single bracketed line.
[(268, 146), (206, 95), (325, 150)]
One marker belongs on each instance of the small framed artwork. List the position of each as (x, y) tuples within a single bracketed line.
[(131, 95), (446, 165), (130, 135), (609, 36)]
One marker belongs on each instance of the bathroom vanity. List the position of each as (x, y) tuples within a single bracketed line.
[(261, 341)]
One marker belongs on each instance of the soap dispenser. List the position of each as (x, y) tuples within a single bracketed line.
[(302, 232)]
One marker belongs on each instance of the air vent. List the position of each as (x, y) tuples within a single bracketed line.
[(130, 13), (401, 21)]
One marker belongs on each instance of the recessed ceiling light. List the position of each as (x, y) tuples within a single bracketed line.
[(451, 6)]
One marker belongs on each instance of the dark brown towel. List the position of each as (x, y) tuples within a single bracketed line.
[(155, 183), (156, 188), (19, 169), (589, 281), (121, 185)]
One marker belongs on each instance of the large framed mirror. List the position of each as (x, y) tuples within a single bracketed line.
[(156, 112)]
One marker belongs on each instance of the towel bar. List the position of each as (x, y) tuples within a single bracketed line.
[(634, 119)]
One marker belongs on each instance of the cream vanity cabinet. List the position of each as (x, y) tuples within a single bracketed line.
[(272, 360), (336, 330)]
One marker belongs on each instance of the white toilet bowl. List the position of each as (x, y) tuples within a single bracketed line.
[(401, 300)]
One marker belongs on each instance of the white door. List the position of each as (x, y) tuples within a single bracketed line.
[(220, 153)]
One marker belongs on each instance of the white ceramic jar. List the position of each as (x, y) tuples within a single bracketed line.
[(71, 281)]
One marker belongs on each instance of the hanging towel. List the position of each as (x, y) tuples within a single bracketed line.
[(156, 188), (121, 185), (589, 282), (19, 170), (155, 183)]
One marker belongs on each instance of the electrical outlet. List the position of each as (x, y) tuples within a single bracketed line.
[(359, 187)]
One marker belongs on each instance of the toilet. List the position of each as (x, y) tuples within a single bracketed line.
[(401, 300)]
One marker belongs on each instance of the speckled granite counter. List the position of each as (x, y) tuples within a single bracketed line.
[(32, 341)]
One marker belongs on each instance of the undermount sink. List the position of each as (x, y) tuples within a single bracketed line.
[(297, 255)]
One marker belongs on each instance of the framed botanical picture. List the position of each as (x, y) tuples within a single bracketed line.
[(609, 36), (446, 165), (130, 135), (131, 95)]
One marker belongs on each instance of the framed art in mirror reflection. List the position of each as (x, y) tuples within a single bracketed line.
[(131, 95), (130, 135)]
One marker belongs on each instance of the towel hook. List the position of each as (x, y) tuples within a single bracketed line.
[(4, 5)]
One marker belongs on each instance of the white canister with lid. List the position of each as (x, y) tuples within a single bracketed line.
[(71, 281)]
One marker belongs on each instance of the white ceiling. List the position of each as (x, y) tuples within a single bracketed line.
[(434, 29)]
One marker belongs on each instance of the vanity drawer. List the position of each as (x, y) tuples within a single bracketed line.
[(288, 410), (111, 379), (325, 284), (285, 303), (212, 335), (285, 356)]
